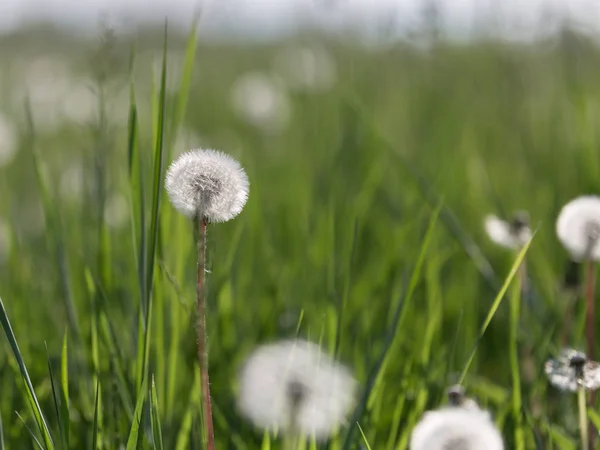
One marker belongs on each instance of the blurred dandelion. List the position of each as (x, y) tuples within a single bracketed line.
[(206, 186), (306, 68), (80, 103), (5, 241), (578, 229), (72, 182), (8, 141), (514, 234), (456, 428), (116, 211), (261, 101), (294, 387), (572, 371)]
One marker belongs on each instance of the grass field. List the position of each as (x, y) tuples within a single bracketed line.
[(363, 230)]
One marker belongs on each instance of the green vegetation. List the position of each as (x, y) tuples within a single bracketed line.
[(363, 231)]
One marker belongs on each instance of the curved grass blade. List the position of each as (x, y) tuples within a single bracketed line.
[(155, 418), (496, 304), (132, 440), (31, 397)]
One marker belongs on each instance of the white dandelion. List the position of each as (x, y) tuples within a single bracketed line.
[(514, 234), (206, 186), (454, 428), (572, 370), (293, 387), (578, 227), (457, 398), (207, 183)]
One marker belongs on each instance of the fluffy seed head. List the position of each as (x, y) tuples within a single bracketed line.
[(571, 369), (207, 183), (513, 234), (578, 227), (293, 385), (456, 429)]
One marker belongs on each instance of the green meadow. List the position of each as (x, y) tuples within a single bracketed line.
[(363, 230)]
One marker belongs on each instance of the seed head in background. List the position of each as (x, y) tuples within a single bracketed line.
[(294, 387), (456, 427), (206, 186), (578, 227), (512, 234), (207, 183), (572, 370)]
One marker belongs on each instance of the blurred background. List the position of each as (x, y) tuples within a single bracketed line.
[(354, 120)]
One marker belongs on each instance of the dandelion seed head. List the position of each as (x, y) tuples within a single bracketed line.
[(116, 211), (456, 429), (578, 227), (513, 234), (293, 384), (572, 369), (208, 183)]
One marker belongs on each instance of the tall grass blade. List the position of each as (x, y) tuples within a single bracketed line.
[(64, 378), (31, 397), (132, 440), (513, 271), (55, 398), (1, 433), (95, 436), (30, 431), (155, 419)]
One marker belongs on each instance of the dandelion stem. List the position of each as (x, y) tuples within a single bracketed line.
[(200, 227), (583, 419), (589, 325)]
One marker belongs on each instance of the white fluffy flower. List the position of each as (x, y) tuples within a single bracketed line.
[(306, 68), (294, 386), (456, 429), (208, 183), (578, 227), (571, 370), (514, 234)]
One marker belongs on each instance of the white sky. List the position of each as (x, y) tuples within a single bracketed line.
[(274, 16)]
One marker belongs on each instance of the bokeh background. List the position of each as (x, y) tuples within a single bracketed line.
[(376, 136)]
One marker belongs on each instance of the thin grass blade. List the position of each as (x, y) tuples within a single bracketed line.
[(155, 419), (95, 437), (31, 397), (496, 304), (57, 403), (132, 440), (64, 378)]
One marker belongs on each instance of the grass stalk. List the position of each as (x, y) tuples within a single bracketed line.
[(589, 329), (583, 427), (200, 227), (514, 306)]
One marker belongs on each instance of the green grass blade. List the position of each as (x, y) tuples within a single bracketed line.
[(183, 435), (31, 397), (64, 377), (1, 433), (495, 305), (155, 419), (57, 403), (514, 306), (30, 431), (95, 427), (132, 440), (363, 436)]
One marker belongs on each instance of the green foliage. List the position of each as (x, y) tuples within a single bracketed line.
[(363, 231)]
